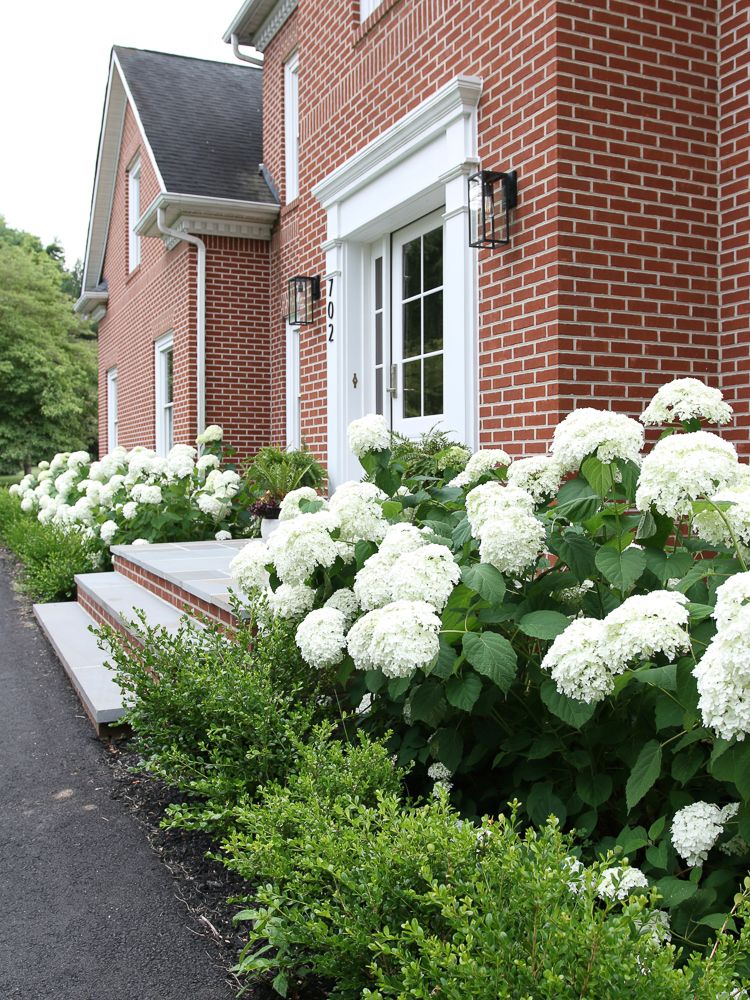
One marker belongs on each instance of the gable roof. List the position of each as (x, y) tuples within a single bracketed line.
[(201, 123)]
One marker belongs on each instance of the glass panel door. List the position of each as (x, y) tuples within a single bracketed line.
[(417, 378)]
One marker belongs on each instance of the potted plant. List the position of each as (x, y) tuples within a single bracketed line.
[(274, 473)]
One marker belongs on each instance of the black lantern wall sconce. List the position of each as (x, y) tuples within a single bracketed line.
[(491, 197), (302, 293)]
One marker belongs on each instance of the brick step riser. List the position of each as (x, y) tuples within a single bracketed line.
[(171, 593)]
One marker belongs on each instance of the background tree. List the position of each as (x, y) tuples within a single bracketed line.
[(48, 371)]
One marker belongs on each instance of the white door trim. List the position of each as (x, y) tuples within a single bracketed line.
[(417, 166)]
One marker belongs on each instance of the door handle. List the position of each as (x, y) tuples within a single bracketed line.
[(392, 389)]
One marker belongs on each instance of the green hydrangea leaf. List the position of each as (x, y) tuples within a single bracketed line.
[(491, 655)]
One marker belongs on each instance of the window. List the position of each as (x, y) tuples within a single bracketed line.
[(164, 394), (111, 409), (366, 7), (134, 213), (291, 127), (293, 405)]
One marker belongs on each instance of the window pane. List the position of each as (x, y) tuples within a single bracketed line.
[(168, 377), (379, 338), (379, 390), (413, 389), (433, 385), (169, 428), (433, 259), (433, 322), (379, 283), (412, 331), (412, 269)]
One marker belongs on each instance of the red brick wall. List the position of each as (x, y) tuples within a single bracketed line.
[(158, 296), (638, 236), (608, 112), (238, 392), (734, 193)]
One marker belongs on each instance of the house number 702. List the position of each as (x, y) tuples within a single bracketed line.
[(330, 310)]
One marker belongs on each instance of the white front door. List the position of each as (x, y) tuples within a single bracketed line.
[(407, 323)]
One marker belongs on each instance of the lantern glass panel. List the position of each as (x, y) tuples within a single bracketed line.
[(475, 209)]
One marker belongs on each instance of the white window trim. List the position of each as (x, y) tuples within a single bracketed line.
[(111, 409), (293, 389), (291, 127), (134, 211), (366, 7), (417, 166), (161, 347)]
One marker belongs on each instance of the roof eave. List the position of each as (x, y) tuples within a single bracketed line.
[(209, 216), (258, 21), (90, 302)]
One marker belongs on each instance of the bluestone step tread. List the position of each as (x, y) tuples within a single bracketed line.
[(67, 625), (123, 598)]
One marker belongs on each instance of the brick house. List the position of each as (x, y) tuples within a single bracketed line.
[(628, 124)]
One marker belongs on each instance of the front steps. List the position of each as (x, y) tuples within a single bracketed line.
[(165, 582)]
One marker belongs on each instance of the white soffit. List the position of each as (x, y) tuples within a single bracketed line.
[(258, 21), (209, 216)]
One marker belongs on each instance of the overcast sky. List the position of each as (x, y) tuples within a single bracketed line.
[(54, 58)]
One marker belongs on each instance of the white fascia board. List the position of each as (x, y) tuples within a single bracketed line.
[(89, 301), (116, 100), (206, 209), (415, 129), (258, 21)]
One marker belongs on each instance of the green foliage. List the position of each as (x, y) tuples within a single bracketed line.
[(274, 472), (215, 716), (381, 898), (48, 381), (428, 455), (50, 556)]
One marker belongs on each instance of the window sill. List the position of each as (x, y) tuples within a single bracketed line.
[(364, 28), (134, 273)]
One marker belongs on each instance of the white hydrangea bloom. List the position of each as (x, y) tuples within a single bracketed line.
[(223, 485), (181, 461), (372, 585), (43, 466), (490, 499), (78, 458), (108, 531), (687, 399), (345, 601), (512, 541), (140, 541), (210, 505), (682, 468), (723, 677), (290, 503), (644, 625), (427, 574), (577, 661), (321, 637), (398, 639), (480, 463), (697, 827), (368, 434), (15, 490), (212, 433), (82, 511), (129, 510), (731, 597), (299, 546), (248, 568), (620, 883), (712, 526), (606, 435), (656, 926), (142, 493), (207, 462), (290, 600), (539, 475), (223, 536), (441, 776), (359, 514)]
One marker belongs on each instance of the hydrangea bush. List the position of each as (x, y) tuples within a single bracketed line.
[(572, 630), (138, 496)]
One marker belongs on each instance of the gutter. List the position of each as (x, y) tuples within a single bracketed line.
[(255, 61), (200, 324)]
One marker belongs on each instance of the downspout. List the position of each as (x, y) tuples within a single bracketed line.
[(253, 60), (200, 322)]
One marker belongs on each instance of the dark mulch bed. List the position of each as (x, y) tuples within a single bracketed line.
[(202, 885)]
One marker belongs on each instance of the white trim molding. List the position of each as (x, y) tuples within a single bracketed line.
[(258, 22), (417, 166), (209, 216), (164, 421), (111, 409)]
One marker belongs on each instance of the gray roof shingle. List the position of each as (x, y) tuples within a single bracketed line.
[(203, 121)]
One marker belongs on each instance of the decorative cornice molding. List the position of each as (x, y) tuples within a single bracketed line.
[(273, 24), (457, 99), (208, 226), (244, 220)]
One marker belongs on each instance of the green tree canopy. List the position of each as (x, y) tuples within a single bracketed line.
[(48, 371)]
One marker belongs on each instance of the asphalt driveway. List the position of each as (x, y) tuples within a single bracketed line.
[(87, 912)]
